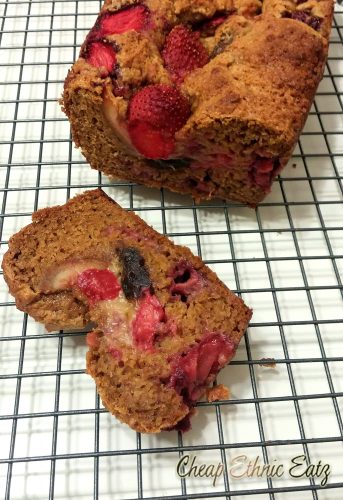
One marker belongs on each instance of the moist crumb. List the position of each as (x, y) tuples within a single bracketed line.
[(165, 325)]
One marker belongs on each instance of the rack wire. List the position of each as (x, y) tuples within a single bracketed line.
[(285, 259)]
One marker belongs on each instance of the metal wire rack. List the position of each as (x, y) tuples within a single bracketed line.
[(285, 259)]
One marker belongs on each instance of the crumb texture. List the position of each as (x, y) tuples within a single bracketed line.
[(217, 393), (165, 324)]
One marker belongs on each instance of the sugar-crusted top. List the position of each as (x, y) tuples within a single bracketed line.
[(247, 69)]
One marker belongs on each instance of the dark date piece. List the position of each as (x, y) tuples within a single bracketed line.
[(136, 277)]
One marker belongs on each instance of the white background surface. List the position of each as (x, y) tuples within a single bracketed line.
[(285, 259)]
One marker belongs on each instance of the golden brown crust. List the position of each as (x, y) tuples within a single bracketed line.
[(320, 8), (247, 8), (90, 228), (264, 58), (251, 100), (190, 11)]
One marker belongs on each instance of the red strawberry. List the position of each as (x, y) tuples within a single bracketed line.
[(191, 370), (156, 113), (150, 142), (263, 171), (101, 54), (98, 284), (149, 315), (183, 52), (136, 17)]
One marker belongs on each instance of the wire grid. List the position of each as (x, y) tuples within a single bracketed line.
[(284, 259)]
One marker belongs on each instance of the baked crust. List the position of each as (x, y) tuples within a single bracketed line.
[(249, 102)]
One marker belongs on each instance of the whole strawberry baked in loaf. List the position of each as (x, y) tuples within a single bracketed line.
[(204, 97), (165, 324)]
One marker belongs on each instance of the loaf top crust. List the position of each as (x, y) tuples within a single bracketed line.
[(265, 61)]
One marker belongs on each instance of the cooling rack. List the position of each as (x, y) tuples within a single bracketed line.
[(285, 259)]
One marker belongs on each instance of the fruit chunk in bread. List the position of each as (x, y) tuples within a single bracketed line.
[(165, 324)]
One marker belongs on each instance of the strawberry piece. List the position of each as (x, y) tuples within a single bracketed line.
[(146, 323), (183, 52), (98, 284), (263, 171), (213, 354), (150, 142), (102, 55), (191, 370), (155, 114), (136, 17)]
